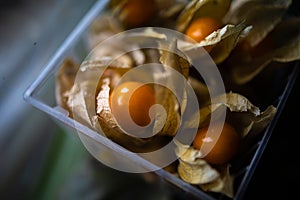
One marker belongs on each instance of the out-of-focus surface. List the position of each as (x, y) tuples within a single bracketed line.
[(38, 160), (30, 32)]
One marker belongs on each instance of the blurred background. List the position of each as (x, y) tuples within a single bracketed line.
[(40, 160)]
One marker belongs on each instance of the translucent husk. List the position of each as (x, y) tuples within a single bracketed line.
[(221, 41), (195, 170), (285, 48), (240, 111), (88, 99), (192, 168), (64, 82), (199, 8), (246, 118), (262, 15)]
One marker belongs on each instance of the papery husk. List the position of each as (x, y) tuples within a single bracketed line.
[(172, 57), (200, 8), (221, 41), (113, 3), (148, 34), (81, 102), (109, 125), (241, 113), (165, 96), (246, 118), (249, 124), (287, 37), (81, 96), (166, 123), (224, 44), (151, 55), (64, 81), (111, 128), (192, 168), (262, 15), (223, 184), (286, 41), (172, 10), (105, 27), (120, 52), (195, 170), (166, 11), (89, 100), (201, 90)]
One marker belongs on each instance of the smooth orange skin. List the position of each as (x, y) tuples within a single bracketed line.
[(225, 148), (200, 28), (135, 96), (136, 13)]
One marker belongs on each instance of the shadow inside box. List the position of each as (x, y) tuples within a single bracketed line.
[(277, 174)]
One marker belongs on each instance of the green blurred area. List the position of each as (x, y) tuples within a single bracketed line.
[(63, 156)]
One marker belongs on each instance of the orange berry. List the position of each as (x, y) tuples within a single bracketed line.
[(200, 28), (135, 97), (226, 145), (138, 12)]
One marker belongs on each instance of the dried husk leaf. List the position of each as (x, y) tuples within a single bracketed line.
[(289, 47), (81, 102), (286, 48), (199, 8), (249, 124), (165, 4), (244, 116), (107, 121), (169, 123), (248, 121), (172, 10), (236, 103), (164, 96), (104, 27), (172, 57), (241, 113), (88, 99), (114, 3), (192, 168), (227, 42), (152, 55), (81, 96), (64, 81), (200, 89), (126, 56), (222, 41), (223, 184), (233, 101), (146, 35), (108, 124), (166, 11), (262, 15)]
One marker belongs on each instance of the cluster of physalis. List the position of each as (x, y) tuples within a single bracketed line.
[(248, 41)]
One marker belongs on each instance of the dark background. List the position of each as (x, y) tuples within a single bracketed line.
[(39, 160), (277, 174)]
